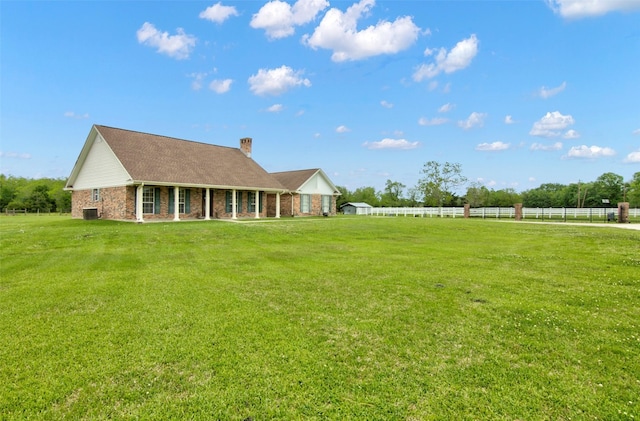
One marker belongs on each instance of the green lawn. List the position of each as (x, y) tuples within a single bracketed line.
[(320, 318)]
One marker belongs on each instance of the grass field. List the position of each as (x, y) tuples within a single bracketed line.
[(332, 318)]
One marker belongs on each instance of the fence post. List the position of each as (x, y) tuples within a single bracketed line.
[(518, 211)]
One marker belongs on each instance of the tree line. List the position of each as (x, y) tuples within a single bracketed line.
[(436, 187), (440, 181), (34, 195)]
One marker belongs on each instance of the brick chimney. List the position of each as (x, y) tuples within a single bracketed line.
[(245, 146)]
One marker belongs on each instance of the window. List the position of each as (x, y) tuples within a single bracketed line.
[(148, 200), (326, 204), (95, 195), (181, 200), (228, 201), (251, 201), (184, 200), (305, 203)]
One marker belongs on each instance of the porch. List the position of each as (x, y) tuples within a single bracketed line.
[(194, 203)]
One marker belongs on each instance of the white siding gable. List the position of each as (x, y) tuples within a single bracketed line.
[(100, 168), (317, 184)]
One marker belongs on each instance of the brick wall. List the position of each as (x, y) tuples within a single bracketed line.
[(119, 203), (219, 198), (315, 208), (195, 205), (113, 203)]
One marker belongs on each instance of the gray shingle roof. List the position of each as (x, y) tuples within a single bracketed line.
[(161, 159)]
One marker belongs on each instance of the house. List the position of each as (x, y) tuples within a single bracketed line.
[(355, 208), (128, 175), (310, 192)]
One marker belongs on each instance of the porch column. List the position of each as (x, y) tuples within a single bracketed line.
[(176, 204), (233, 204), (257, 204), (139, 192), (207, 205), (278, 205)]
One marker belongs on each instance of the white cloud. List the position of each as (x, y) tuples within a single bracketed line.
[(391, 144), (198, 78), (275, 108), (636, 132), (276, 81), (16, 155), (178, 46), (551, 125), (508, 120), (633, 158), (386, 104), (279, 18), (493, 147), (540, 147), (220, 86), (71, 114), (342, 129), (474, 120), (458, 58), (584, 8), (436, 121), (545, 92), (571, 134), (338, 32), (590, 152), (218, 13), (446, 108)]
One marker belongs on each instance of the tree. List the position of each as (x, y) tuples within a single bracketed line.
[(39, 199), (477, 195), (413, 196), (439, 181), (44, 194), (504, 197), (8, 190), (609, 186), (367, 195), (545, 196), (345, 196), (633, 191), (392, 195)]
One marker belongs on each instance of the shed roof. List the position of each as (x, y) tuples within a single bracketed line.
[(356, 205)]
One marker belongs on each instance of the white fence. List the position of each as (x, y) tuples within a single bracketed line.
[(591, 214)]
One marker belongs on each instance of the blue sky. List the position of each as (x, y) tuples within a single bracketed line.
[(519, 93)]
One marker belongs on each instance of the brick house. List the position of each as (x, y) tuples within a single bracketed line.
[(309, 192), (127, 175)]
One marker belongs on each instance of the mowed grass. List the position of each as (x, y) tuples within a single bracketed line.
[(332, 318)]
